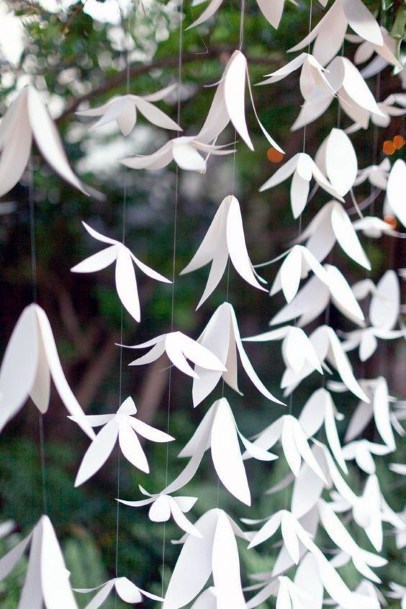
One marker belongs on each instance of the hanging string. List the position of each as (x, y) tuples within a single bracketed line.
[(174, 249), (126, 35), (34, 280)]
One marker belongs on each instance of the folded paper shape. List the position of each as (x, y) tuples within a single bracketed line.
[(354, 96), (361, 452), (296, 347), (296, 266), (185, 151), (47, 580), (30, 360), (164, 506), (387, 108), (311, 75), (377, 175), (329, 225), (28, 118), (126, 281), (288, 430), (125, 589), (214, 553), (222, 337), (314, 297), (337, 159), (328, 348), (330, 32), (224, 239), (374, 227), (229, 104), (123, 110), (288, 595), (179, 347), (303, 169), (366, 49), (124, 427)]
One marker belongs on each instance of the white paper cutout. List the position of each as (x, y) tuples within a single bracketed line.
[(126, 281), (361, 451), (179, 348), (387, 109), (123, 110), (303, 168), (329, 33), (124, 588), (337, 159), (377, 175), (366, 49), (186, 151), (47, 579), (222, 337), (296, 347), (313, 298), (374, 227), (394, 191), (354, 96), (224, 239), (229, 104), (214, 553), (329, 225), (28, 118), (311, 75), (328, 348), (124, 427), (163, 507), (29, 362), (289, 432)]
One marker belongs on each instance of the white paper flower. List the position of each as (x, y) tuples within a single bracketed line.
[(126, 281), (124, 588), (30, 360), (47, 579), (222, 337), (377, 175), (124, 427), (224, 239), (124, 109), (28, 118), (185, 151), (361, 452), (303, 168), (179, 347)]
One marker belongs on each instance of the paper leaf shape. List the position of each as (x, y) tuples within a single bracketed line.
[(214, 553), (179, 347), (229, 104), (289, 432), (124, 427), (185, 151), (303, 168), (126, 282), (366, 49), (329, 33), (361, 452), (337, 159), (225, 238), (394, 192), (123, 587), (329, 225), (296, 266), (376, 174), (163, 507), (123, 110), (28, 118), (222, 337), (47, 579), (296, 347), (30, 360), (311, 76)]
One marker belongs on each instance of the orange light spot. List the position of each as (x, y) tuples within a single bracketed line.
[(274, 155), (399, 141), (388, 147), (391, 220)]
